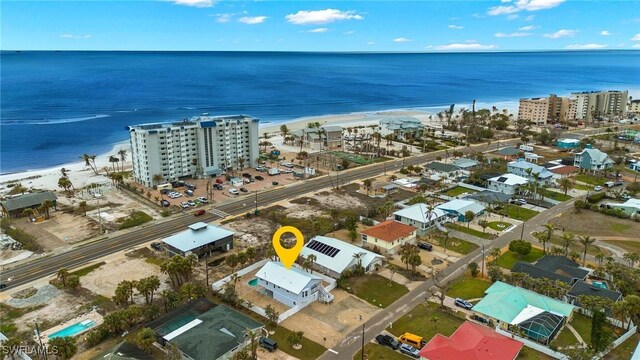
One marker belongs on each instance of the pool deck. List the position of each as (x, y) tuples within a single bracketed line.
[(93, 316)]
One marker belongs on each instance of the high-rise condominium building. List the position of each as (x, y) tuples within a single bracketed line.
[(592, 104), (535, 110), (200, 146)]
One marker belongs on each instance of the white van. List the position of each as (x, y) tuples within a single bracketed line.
[(166, 186), (526, 148)]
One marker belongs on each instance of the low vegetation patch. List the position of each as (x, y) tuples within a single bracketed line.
[(422, 321), (27, 240), (379, 352), (376, 290), (468, 288), (509, 258), (25, 294), (516, 212), (458, 190), (499, 225), (136, 218), (470, 231), (555, 195), (454, 244), (590, 179), (8, 314), (624, 350), (310, 350), (86, 270)]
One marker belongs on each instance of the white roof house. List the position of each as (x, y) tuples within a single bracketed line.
[(520, 167), (460, 207), (292, 279), (420, 213), (334, 256), (630, 207), (506, 183), (198, 236)]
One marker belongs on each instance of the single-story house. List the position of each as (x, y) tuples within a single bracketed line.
[(630, 207), (401, 126), (379, 187), (328, 137), (293, 286), (127, 351), (590, 289), (489, 198), (465, 163), (199, 334), (334, 256), (471, 341), (562, 171), (567, 143), (458, 207), (448, 170), (506, 183), (521, 167), (539, 317), (420, 216), (200, 239), (389, 236), (14, 206), (592, 160), (553, 267), (508, 153)]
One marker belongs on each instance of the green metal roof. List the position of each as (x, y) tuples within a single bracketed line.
[(504, 302), (28, 200)]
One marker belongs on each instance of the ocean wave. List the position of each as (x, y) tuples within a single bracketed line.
[(54, 121)]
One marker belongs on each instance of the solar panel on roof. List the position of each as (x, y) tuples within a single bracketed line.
[(323, 248), (502, 179)]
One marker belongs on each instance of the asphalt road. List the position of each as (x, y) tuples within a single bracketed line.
[(352, 343), (85, 253)]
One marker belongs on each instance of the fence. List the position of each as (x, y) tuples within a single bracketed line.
[(217, 286), (543, 349)]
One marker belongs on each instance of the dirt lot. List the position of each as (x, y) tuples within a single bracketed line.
[(105, 279), (332, 321), (252, 232), (595, 224), (59, 309)]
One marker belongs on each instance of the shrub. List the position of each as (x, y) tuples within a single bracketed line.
[(520, 247), (27, 240), (595, 198), (136, 218)]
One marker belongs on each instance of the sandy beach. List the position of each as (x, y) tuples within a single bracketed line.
[(81, 175)]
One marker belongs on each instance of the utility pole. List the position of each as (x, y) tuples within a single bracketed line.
[(522, 232), (362, 341), (206, 269), (99, 215), (256, 203), (482, 268), (42, 348)]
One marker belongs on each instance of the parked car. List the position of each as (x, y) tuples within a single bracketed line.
[(425, 246), (274, 183), (184, 204), (199, 212), (219, 181), (218, 186), (203, 200), (386, 340), (156, 246), (247, 175), (618, 183), (597, 188), (288, 171), (409, 350), (3, 285), (463, 303), (234, 191), (259, 178), (191, 203), (165, 203), (244, 189), (188, 192), (268, 344), (247, 180)]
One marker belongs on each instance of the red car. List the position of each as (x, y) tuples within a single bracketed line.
[(199, 212), (219, 181)]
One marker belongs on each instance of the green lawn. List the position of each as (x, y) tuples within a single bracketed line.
[(530, 354), (468, 288), (630, 246), (377, 290), (590, 179), (376, 351), (85, 270), (565, 338), (508, 259), (582, 187), (474, 232), (459, 190), (499, 225), (617, 227), (310, 350), (555, 195), (582, 324), (418, 321), (454, 244), (624, 350), (517, 212)]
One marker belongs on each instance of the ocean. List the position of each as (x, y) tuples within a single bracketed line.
[(55, 106)]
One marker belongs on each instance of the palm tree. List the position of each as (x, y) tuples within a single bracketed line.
[(63, 275), (600, 258), (45, 206), (30, 213), (157, 179), (586, 241), (122, 153), (495, 253), (93, 161), (65, 183), (566, 184), (83, 207), (567, 240), (393, 178), (549, 229), (367, 184), (66, 346), (113, 160), (89, 160), (145, 339)]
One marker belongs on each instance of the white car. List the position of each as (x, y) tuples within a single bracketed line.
[(203, 200), (184, 204), (597, 188), (288, 171), (234, 191)]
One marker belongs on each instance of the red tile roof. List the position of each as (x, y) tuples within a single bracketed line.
[(389, 231), (564, 170), (471, 342)]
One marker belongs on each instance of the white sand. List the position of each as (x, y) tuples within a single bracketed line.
[(81, 175)]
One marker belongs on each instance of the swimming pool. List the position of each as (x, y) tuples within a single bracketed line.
[(600, 284), (73, 329), (253, 282)]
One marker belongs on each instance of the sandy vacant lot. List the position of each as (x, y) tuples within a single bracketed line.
[(105, 279), (59, 309), (595, 224), (331, 321), (252, 232)]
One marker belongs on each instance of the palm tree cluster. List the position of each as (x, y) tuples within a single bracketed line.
[(179, 268), (308, 263), (241, 258), (44, 208), (146, 287), (90, 161), (631, 258), (552, 288), (410, 256)]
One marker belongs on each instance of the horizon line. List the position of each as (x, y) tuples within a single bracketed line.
[(339, 51)]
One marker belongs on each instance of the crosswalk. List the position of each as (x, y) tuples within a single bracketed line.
[(219, 213)]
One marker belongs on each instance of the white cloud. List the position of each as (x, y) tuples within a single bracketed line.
[(529, 18), (586, 46), (636, 38), (326, 16), (252, 20), (428, 47), (463, 47), (456, 27), (524, 5), (195, 3), (561, 33), (319, 30), (223, 18), (350, 32), (478, 16), (73, 36), (515, 34), (505, 1), (636, 46), (528, 28), (370, 43), (512, 16), (605, 33), (401, 39)]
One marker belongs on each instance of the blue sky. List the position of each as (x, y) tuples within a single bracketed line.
[(414, 26)]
